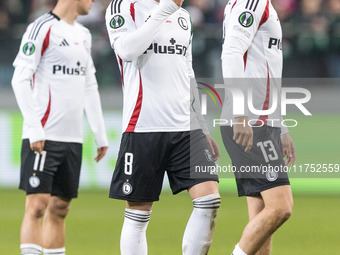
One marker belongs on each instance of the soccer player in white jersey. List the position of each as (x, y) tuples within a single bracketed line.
[(252, 58), (152, 43), (54, 81)]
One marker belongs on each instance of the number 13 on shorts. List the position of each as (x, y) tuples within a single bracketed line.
[(128, 163), (271, 155)]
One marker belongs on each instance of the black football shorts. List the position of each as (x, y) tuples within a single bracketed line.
[(263, 166), (55, 171), (144, 157)]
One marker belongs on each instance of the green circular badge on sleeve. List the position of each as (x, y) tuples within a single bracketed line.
[(117, 22), (246, 19), (28, 49)]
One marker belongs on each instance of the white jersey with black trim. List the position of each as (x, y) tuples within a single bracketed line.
[(252, 31), (156, 84), (57, 58)]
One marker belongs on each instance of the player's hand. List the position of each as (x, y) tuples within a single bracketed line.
[(243, 133), (101, 153), (213, 147), (38, 146), (178, 2), (288, 149)]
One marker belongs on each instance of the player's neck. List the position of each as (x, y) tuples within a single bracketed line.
[(67, 11)]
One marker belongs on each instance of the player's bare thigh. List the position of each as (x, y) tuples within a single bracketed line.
[(203, 189), (255, 206)]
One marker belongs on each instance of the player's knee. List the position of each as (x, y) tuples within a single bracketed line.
[(59, 208), (282, 212), (286, 212), (37, 209)]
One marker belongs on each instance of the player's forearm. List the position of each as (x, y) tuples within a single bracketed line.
[(134, 44), (197, 108), (233, 68), (284, 128), (23, 93), (94, 115)]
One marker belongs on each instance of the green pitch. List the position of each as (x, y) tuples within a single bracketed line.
[(94, 223)]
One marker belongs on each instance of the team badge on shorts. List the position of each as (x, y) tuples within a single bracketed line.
[(34, 181), (127, 188), (208, 155), (246, 19), (117, 22), (272, 175), (28, 49)]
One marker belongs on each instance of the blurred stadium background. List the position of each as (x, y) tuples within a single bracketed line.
[(311, 48)]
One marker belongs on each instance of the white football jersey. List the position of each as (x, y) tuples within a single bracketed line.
[(156, 85), (59, 56), (256, 23)]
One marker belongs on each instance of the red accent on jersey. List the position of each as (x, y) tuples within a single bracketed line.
[(233, 6), (33, 81), (136, 111), (121, 70), (46, 42), (132, 11), (265, 14), (47, 113), (265, 104), (245, 56)]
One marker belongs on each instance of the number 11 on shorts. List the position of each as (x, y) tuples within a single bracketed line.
[(128, 163), (42, 161)]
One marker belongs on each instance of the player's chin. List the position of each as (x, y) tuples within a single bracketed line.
[(83, 12)]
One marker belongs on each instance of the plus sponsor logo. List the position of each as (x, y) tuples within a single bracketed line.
[(65, 70), (275, 43), (171, 49)]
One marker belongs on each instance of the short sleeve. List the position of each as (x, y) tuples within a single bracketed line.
[(245, 18), (33, 44), (119, 19)]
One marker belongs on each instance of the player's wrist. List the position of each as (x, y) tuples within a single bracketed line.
[(102, 142), (36, 134), (165, 9)]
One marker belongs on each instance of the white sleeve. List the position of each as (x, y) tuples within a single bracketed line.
[(232, 57), (127, 41), (196, 105), (21, 83), (93, 107), (240, 27), (284, 128), (32, 47)]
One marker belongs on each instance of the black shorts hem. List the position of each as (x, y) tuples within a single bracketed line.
[(257, 192), (133, 199), (193, 183), (52, 194)]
